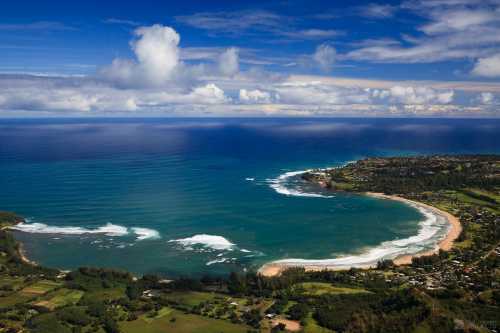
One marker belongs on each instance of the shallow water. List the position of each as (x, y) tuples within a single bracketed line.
[(195, 196)]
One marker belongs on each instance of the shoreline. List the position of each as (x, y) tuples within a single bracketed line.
[(22, 254), (20, 247), (275, 268)]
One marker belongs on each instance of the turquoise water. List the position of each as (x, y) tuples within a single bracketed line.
[(189, 197)]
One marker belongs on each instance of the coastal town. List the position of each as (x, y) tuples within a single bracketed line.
[(452, 289)]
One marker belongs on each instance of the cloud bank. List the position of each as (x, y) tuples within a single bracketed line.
[(157, 81)]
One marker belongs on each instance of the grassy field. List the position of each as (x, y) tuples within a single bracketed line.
[(14, 298), (170, 320), (477, 197), (161, 313), (312, 327), (192, 298), (59, 298), (319, 288), (105, 294), (14, 283), (40, 287)]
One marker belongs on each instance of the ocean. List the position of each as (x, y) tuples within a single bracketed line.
[(187, 197)]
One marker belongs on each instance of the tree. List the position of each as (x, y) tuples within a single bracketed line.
[(110, 325), (298, 311), (279, 328), (252, 318), (133, 291)]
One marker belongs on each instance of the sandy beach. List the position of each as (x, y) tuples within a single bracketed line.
[(275, 268), (22, 255), (20, 249)]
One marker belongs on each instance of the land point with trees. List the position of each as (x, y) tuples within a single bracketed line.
[(451, 291)]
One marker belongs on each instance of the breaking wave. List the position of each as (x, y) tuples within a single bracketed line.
[(432, 229), (145, 233), (208, 241), (217, 261), (108, 229), (289, 184), (41, 228)]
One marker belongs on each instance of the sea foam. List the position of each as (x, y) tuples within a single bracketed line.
[(282, 186), (431, 230), (108, 229), (41, 228), (145, 233), (209, 241), (216, 261)]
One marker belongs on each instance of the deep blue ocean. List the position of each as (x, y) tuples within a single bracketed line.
[(195, 196)]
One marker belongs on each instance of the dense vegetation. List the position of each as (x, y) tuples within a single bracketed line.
[(455, 291)]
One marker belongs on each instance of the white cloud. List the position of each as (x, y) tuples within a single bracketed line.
[(208, 94), (325, 56), (319, 93), (157, 52), (250, 21), (311, 34), (233, 22), (157, 81), (113, 20), (229, 62), (36, 26), (459, 20), (254, 96), (486, 98), (84, 95), (281, 97), (419, 95), (455, 31), (375, 10), (488, 66), (34, 96)]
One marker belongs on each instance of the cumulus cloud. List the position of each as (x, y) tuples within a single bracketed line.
[(157, 81), (324, 56), (292, 96), (157, 58), (319, 93), (229, 62), (254, 96), (208, 94), (49, 95), (84, 96), (488, 66), (420, 95)]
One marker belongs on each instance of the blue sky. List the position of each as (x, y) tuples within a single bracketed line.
[(252, 58)]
